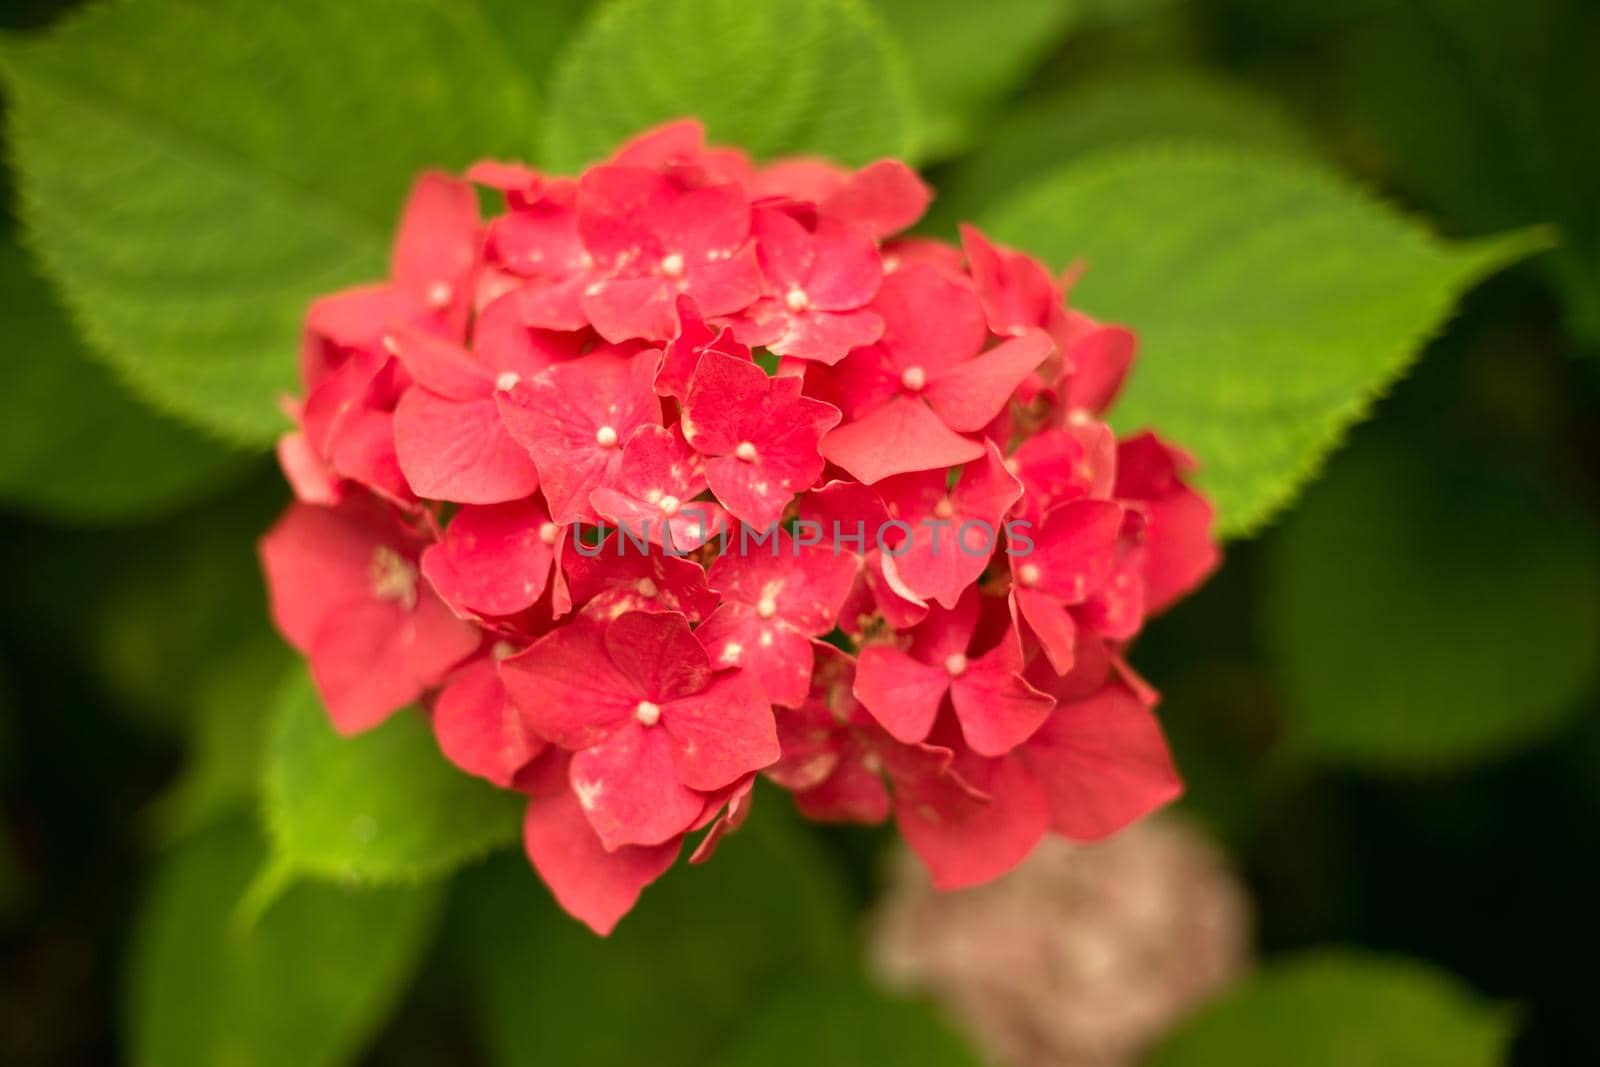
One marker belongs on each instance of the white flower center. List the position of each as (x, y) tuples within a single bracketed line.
[(606, 437), (955, 664), (914, 378), (507, 381), (1028, 574), (669, 505), (440, 294), (393, 577), (766, 607), (944, 509), (672, 264), (797, 299), (548, 533), (647, 713), (746, 451), (647, 589)]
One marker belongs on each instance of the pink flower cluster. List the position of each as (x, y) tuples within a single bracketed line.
[(527, 466)]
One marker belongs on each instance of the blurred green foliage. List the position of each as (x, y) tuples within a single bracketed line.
[(1428, 611), (958, 81), (263, 168), (785, 76), (1385, 706), (1342, 1010), (382, 807), (747, 959), (1272, 302), (76, 446), (307, 983)]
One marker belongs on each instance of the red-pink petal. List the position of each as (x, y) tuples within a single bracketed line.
[(772, 652), (903, 694), (622, 309), (930, 321), (459, 451), (767, 436), (567, 686), (704, 225), (692, 339), (1017, 291), (1179, 549), (596, 886), (826, 336), (969, 395), (359, 664), (722, 733), (952, 534), (1103, 763), (493, 559), (854, 794), (372, 658), (629, 790), (654, 488), (1065, 464), (438, 241), (885, 197), (307, 474), (439, 365), (899, 437), (1100, 357), (614, 577), (559, 416), (1052, 624), (479, 729), (739, 799), (318, 560), (964, 842), (723, 286), (658, 654), (781, 578), (1074, 550), (997, 709)]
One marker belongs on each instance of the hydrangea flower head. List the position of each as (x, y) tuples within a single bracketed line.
[(692, 469)]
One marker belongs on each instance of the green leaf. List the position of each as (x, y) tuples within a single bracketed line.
[(1428, 612), (382, 806), (74, 445), (775, 78), (193, 174), (1111, 111), (966, 56), (1342, 1009), (308, 984), (1273, 302), (702, 945), (692, 973), (537, 33)]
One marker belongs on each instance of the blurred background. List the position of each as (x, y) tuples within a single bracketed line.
[(1386, 704)]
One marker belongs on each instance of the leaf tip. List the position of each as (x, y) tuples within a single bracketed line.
[(1488, 255), (265, 890)]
